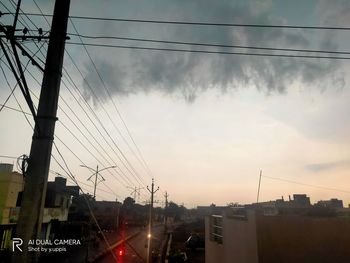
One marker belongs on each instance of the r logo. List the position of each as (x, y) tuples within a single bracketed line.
[(17, 242)]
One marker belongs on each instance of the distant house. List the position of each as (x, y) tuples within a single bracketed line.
[(57, 203), (298, 205), (332, 203), (254, 234), (203, 211)]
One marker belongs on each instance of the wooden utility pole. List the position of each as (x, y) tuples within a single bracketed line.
[(31, 213), (150, 223)]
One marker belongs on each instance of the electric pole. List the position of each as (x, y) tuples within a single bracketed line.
[(257, 197), (166, 208), (97, 174), (150, 223), (135, 192), (31, 213)]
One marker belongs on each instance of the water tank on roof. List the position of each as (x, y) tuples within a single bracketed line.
[(60, 181)]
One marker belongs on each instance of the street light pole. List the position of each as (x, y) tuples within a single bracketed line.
[(96, 173)]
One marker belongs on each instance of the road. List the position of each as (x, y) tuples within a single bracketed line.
[(135, 249)]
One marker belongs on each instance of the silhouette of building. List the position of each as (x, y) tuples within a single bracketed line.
[(332, 203)]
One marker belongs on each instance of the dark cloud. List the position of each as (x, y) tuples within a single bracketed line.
[(132, 71), (321, 167)]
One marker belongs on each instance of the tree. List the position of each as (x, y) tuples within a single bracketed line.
[(128, 203), (175, 210)]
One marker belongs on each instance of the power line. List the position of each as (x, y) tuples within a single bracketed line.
[(13, 109), (103, 148), (210, 44), (129, 182), (99, 121), (174, 22), (8, 84), (21, 226), (311, 185), (69, 132), (83, 183), (19, 105), (12, 157), (209, 51), (67, 87), (70, 174), (126, 182), (93, 112), (12, 90), (206, 44), (105, 87)]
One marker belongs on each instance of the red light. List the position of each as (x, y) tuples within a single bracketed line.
[(120, 252)]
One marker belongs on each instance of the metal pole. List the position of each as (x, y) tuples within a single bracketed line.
[(31, 213)]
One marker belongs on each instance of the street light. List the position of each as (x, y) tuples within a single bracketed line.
[(96, 173)]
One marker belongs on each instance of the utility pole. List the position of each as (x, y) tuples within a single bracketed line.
[(166, 195), (150, 223), (135, 192), (166, 208), (257, 198), (96, 174), (31, 213), (118, 212)]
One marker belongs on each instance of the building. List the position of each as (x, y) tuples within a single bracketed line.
[(57, 203), (250, 235), (299, 204), (11, 184), (332, 203), (203, 211)]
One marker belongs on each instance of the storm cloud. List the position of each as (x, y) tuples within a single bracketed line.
[(132, 71), (320, 167)]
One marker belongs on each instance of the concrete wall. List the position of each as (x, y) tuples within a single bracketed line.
[(303, 239), (239, 241), (240, 235), (55, 213), (282, 239), (214, 252), (11, 183)]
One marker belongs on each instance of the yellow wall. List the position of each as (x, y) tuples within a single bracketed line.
[(11, 183)]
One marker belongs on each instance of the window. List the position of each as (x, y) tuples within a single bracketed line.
[(216, 229)]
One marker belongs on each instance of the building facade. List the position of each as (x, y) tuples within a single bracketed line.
[(57, 203), (253, 234)]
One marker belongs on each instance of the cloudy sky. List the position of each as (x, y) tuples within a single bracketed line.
[(205, 123)]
